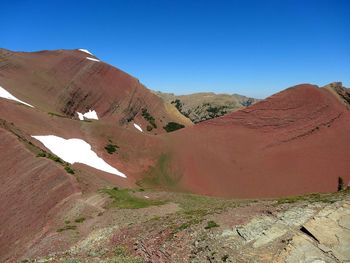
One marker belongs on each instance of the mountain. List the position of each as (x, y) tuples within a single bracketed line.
[(293, 142), (66, 82), (206, 105), (49, 92), (91, 159)]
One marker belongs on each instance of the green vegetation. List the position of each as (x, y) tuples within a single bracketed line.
[(173, 126), (178, 104), (148, 117), (79, 220), (67, 222), (111, 148), (195, 208), (127, 259), (123, 256), (122, 198), (56, 159), (211, 224), (314, 198), (71, 260), (67, 227), (183, 226), (56, 114), (160, 175), (69, 170), (216, 111), (41, 154)]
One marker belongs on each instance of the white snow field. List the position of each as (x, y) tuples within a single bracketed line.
[(85, 50), (76, 151), (7, 95), (91, 114), (138, 127), (93, 59)]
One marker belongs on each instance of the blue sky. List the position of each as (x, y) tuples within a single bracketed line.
[(255, 48)]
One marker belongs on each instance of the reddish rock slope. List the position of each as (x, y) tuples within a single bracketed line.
[(30, 190), (65, 81), (295, 142)]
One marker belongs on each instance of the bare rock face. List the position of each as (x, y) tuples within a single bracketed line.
[(340, 90), (312, 233), (326, 237)]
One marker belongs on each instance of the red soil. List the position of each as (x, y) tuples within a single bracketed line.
[(30, 190), (294, 142)]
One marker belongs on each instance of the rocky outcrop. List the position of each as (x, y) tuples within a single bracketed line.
[(302, 233)]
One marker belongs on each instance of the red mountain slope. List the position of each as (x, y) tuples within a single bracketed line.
[(66, 81), (295, 142), (31, 189)]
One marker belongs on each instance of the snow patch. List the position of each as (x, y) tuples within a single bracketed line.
[(93, 59), (7, 95), (91, 114), (76, 151), (85, 50), (138, 127)]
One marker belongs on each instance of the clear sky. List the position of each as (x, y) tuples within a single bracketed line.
[(254, 48)]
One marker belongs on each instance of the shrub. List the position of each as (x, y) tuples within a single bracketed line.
[(69, 170), (178, 104), (111, 148), (340, 184), (67, 227), (148, 117), (79, 220), (173, 126), (41, 154), (55, 158), (211, 224)]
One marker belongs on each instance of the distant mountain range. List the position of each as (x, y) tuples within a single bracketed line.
[(206, 105)]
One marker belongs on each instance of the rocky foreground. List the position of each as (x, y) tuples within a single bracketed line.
[(314, 228)]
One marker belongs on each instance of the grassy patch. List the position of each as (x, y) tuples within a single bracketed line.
[(182, 227), (122, 255), (195, 208), (211, 224), (71, 260), (67, 227), (314, 198), (173, 126), (160, 175), (122, 198)]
